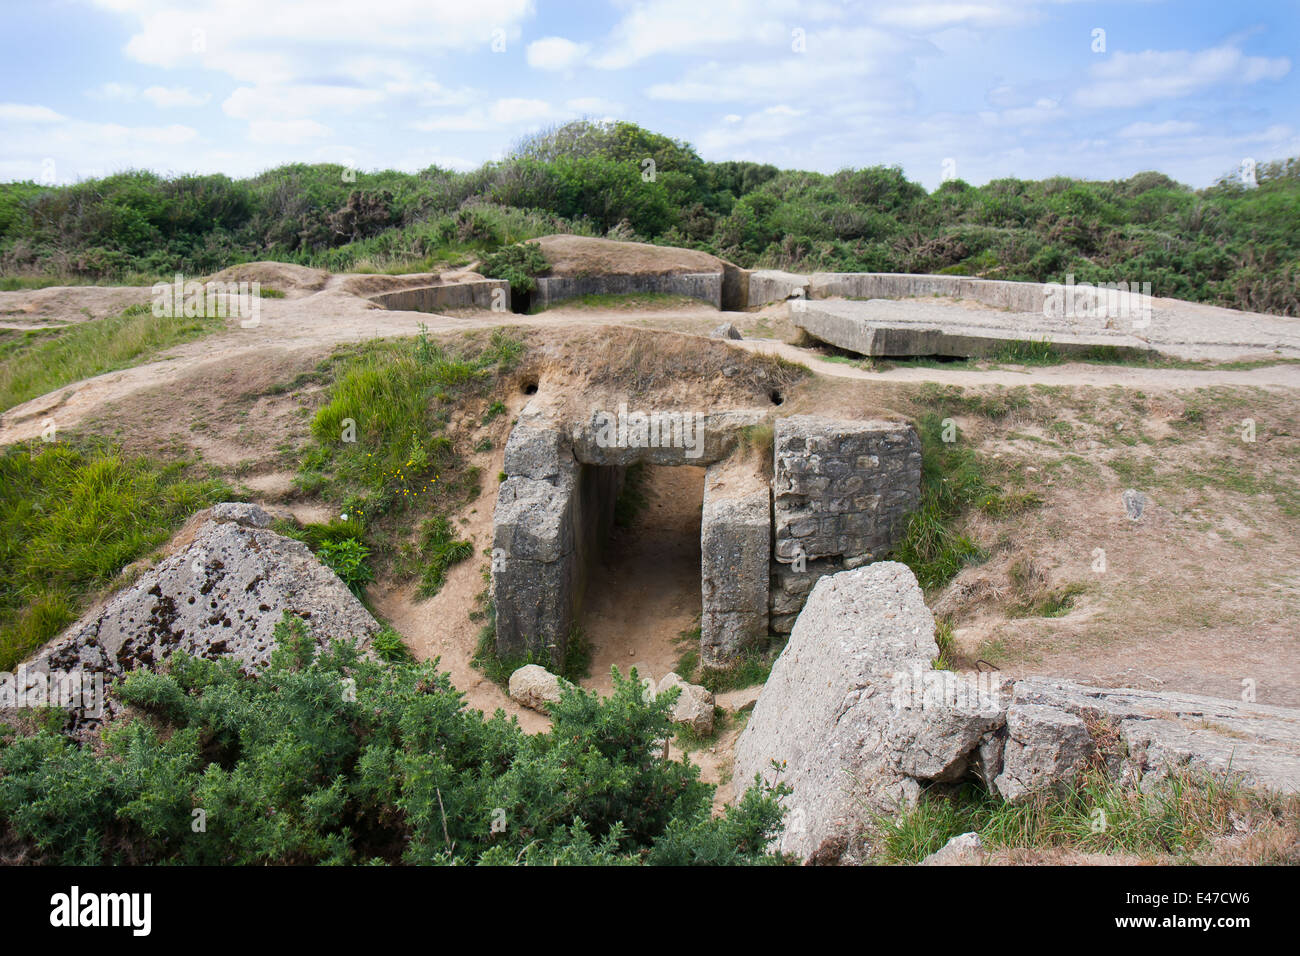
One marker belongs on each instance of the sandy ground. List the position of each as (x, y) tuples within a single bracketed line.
[(646, 589)]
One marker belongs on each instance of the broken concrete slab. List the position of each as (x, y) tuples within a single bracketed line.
[(827, 706), (908, 328), (773, 285), (1143, 737)]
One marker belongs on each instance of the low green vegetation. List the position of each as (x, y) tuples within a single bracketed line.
[(70, 519), (1225, 244), (36, 362), (383, 453), (347, 559), (519, 264), (952, 481), (1097, 816), (750, 669), (439, 550), (336, 759)]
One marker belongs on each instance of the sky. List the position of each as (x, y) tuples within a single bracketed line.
[(976, 89)]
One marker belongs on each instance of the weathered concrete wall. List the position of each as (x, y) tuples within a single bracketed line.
[(912, 328), (534, 549), (735, 288), (472, 294), (1016, 296), (840, 492), (626, 435), (773, 285), (705, 286), (735, 550)]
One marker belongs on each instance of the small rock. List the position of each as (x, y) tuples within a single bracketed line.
[(1134, 502), (725, 331), (250, 516), (694, 705), (964, 850), (536, 688)]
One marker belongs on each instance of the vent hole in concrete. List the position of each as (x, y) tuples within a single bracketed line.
[(776, 397)]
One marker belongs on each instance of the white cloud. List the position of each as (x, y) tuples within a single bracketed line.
[(170, 97), (501, 115), (686, 26), (25, 113), (283, 43), (777, 123), (273, 102), (1146, 130), (514, 110), (1134, 79), (40, 143), (834, 59), (286, 132), (1042, 110), (555, 53), (112, 91), (925, 17)]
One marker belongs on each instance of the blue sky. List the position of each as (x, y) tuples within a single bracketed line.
[(979, 88)]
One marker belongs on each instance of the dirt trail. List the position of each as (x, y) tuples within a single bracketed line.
[(441, 626), (335, 315), (646, 589)]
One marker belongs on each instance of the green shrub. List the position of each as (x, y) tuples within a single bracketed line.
[(347, 559), (333, 758), (518, 264)]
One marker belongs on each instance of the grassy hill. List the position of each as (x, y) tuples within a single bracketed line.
[(1226, 245)]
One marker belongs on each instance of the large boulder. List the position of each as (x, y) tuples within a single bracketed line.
[(220, 596), (848, 710)]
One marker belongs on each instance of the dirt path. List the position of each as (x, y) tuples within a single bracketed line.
[(334, 315), (646, 590)]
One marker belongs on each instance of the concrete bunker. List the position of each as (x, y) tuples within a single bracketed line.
[(491, 294), (833, 495), (705, 286)]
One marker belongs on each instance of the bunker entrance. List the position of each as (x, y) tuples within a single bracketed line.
[(643, 585)]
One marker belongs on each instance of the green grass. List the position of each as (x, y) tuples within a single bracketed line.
[(624, 300), (952, 481), (44, 360), (1177, 819), (750, 669), (382, 450), (70, 520), (439, 550), (575, 667)]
